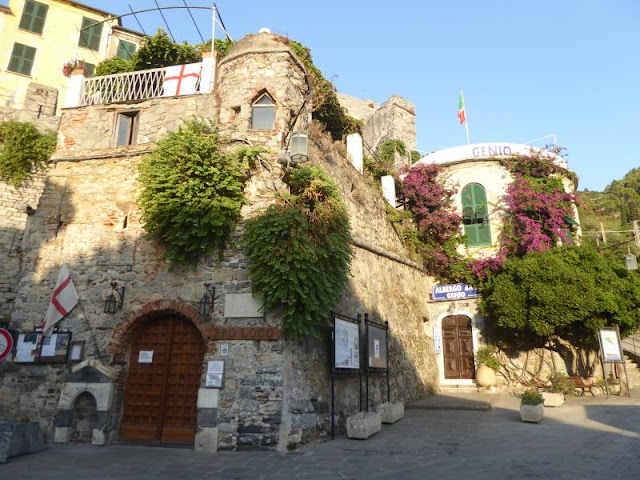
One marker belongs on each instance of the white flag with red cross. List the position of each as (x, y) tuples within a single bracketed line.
[(181, 79), (62, 302)]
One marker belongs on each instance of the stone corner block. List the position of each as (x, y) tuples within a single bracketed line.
[(552, 399), (363, 424), (390, 412), (208, 398), (61, 435), (206, 440), (532, 413), (98, 437)]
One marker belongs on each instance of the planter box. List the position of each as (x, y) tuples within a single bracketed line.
[(20, 439), (363, 424), (391, 412), (532, 413), (552, 399)]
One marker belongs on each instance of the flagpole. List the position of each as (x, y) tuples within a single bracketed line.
[(466, 122)]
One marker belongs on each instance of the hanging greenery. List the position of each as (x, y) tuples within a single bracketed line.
[(23, 150), (192, 193), (300, 252)]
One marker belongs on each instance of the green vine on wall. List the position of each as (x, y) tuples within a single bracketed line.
[(191, 192), (23, 150), (300, 252)]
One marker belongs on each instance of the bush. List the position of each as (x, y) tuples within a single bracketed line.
[(488, 355), (561, 383), (531, 397), (113, 65), (23, 150)]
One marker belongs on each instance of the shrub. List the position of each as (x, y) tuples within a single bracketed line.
[(488, 355), (561, 383), (23, 150), (300, 252), (113, 65), (531, 397)]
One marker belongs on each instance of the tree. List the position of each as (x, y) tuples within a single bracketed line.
[(559, 298), (159, 51)]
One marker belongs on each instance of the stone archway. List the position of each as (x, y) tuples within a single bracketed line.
[(84, 418)]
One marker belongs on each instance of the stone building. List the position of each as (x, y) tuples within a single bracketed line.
[(481, 182), (146, 372)]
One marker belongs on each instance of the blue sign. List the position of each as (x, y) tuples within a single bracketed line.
[(457, 291)]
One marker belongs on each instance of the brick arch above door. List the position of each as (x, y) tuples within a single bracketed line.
[(132, 322)]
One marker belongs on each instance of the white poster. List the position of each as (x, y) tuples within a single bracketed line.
[(376, 348), (215, 373), (610, 346), (437, 340), (145, 356), (347, 345), (49, 346)]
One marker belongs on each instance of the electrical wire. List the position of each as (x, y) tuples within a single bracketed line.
[(195, 24)]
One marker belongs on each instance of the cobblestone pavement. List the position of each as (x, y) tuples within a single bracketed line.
[(592, 438)]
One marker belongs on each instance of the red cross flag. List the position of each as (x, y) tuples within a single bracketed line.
[(181, 79), (63, 300)]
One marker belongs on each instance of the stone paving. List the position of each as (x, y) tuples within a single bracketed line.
[(593, 438)]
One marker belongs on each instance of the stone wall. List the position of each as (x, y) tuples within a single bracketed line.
[(357, 107), (394, 120), (17, 203)]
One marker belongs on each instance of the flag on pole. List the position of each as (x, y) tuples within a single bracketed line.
[(62, 302), (461, 114)]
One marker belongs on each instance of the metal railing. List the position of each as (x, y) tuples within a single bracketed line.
[(125, 87), (631, 345)]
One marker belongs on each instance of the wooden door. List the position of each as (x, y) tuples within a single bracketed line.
[(457, 341), (161, 393)]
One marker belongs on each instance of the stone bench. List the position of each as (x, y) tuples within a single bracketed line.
[(391, 412), (363, 424)]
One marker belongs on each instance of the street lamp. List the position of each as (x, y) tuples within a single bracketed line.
[(630, 261)]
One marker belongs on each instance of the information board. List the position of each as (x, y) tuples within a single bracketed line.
[(610, 344), (55, 348), (376, 346), (346, 344), (28, 347)]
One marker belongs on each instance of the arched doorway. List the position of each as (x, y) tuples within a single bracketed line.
[(85, 418), (161, 392), (457, 342)]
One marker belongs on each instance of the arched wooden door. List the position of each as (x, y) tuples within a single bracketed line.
[(457, 340), (161, 393)]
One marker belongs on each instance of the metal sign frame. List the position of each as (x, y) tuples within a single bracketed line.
[(611, 352)]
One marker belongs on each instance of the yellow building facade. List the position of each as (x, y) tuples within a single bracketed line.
[(38, 37)]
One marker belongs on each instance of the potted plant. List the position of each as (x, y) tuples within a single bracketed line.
[(561, 385), (531, 406), (488, 363)]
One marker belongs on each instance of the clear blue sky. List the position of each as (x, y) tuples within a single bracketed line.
[(528, 68)]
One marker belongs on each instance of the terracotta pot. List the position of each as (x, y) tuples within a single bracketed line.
[(485, 376)]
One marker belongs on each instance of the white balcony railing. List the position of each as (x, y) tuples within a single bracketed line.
[(141, 85)]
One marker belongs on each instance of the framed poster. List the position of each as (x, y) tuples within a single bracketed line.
[(610, 346), (28, 347), (215, 374), (76, 351), (346, 344), (376, 346), (55, 348)]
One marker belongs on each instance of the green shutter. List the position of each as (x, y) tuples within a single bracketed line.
[(22, 59), (90, 37), (126, 50), (475, 214), (33, 16)]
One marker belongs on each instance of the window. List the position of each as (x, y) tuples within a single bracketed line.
[(126, 128), (263, 114), (90, 68), (475, 215), (22, 59), (90, 37), (126, 50), (33, 16)]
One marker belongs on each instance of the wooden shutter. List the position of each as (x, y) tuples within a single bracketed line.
[(475, 214), (22, 59), (126, 50), (90, 37), (33, 16)]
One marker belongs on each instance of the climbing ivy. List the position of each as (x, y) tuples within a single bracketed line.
[(192, 193), (23, 150), (300, 252)]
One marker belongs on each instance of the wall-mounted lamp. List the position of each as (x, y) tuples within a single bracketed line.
[(298, 150), (206, 302), (111, 304)]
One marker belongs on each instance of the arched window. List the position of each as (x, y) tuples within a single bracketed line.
[(475, 215), (263, 113)]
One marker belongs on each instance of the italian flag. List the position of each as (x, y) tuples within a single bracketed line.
[(461, 114)]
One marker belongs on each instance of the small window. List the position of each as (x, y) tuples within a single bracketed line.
[(263, 115), (126, 50), (90, 34), (22, 59), (33, 16), (90, 68), (475, 215), (126, 128)]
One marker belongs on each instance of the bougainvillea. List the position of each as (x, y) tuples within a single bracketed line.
[(437, 224)]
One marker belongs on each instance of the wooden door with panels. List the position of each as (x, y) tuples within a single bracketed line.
[(457, 342), (161, 393)]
